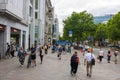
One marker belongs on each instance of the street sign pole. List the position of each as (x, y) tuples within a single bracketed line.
[(70, 35)]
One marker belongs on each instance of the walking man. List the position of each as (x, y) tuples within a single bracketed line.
[(87, 61), (60, 50), (74, 63)]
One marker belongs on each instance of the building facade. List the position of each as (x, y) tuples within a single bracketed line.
[(49, 20), (25, 22), (102, 19), (38, 22), (13, 24), (55, 30)]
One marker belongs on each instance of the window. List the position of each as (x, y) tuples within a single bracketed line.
[(36, 15), (36, 4), (30, 11), (49, 30), (31, 1)]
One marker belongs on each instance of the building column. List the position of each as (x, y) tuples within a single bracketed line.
[(8, 32), (21, 38), (26, 38)]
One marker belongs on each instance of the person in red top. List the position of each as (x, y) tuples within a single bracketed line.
[(74, 63)]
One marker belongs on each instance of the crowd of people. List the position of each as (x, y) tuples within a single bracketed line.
[(62, 49)]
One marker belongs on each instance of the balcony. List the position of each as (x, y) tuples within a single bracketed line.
[(8, 14), (5, 10)]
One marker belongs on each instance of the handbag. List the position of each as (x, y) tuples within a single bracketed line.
[(92, 60)]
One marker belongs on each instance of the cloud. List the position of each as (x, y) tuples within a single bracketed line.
[(64, 8)]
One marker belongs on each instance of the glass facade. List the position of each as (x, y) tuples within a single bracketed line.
[(102, 19)]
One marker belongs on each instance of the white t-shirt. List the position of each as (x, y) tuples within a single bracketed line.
[(89, 56), (101, 53)]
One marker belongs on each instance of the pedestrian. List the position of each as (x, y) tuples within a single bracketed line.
[(29, 61), (53, 48), (7, 54), (116, 56), (88, 60), (33, 55), (74, 63), (64, 49), (12, 50), (69, 48), (46, 49), (109, 56), (59, 52), (100, 55), (21, 55), (41, 54)]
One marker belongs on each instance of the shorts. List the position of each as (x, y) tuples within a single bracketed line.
[(33, 57)]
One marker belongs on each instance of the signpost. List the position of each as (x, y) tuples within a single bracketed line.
[(70, 35)]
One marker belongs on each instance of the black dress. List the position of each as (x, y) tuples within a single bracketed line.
[(33, 55)]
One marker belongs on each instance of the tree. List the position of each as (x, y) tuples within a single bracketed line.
[(114, 27), (81, 24), (101, 31)]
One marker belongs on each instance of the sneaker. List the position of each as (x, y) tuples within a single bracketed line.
[(87, 74), (71, 73)]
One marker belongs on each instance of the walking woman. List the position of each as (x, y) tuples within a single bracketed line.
[(109, 56), (42, 52), (116, 56), (101, 55), (33, 55), (21, 55)]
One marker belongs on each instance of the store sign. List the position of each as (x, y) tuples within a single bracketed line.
[(15, 30), (2, 28)]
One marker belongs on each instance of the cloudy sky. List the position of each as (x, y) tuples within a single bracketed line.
[(64, 8)]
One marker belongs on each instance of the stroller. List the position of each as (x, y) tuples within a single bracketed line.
[(29, 61)]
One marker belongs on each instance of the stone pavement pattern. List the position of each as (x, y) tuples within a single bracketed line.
[(54, 69)]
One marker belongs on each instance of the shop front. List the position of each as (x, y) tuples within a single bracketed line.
[(15, 37)]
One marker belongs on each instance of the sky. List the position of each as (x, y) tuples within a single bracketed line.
[(64, 8)]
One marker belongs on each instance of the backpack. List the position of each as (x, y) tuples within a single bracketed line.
[(77, 60), (74, 59)]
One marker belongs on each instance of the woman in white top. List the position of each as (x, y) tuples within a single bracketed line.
[(101, 55)]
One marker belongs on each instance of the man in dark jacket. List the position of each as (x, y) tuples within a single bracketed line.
[(74, 63)]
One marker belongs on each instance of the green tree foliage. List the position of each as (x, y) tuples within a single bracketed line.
[(101, 31), (82, 25), (114, 27)]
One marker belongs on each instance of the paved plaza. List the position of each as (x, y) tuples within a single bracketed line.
[(54, 69)]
